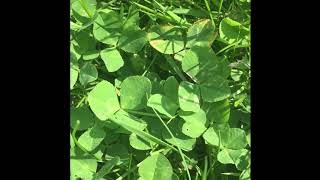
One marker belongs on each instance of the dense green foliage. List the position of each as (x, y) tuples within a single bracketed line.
[(160, 90)]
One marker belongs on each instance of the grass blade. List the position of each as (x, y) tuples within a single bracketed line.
[(106, 168), (175, 67)]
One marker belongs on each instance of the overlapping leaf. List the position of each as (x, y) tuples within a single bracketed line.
[(183, 141), (209, 71), (135, 91), (112, 59), (232, 31), (103, 100), (74, 72), (229, 156), (84, 42), (189, 96), (195, 123), (166, 39), (201, 33), (156, 167), (163, 104), (171, 87), (83, 10), (82, 166), (132, 40), (234, 138), (218, 112), (140, 143), (91, 138), (88, 73), (107, 27), (83, 115)]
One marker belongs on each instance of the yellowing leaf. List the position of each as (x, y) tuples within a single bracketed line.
[(166, 39)]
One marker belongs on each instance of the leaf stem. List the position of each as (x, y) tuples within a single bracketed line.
[(155, 152), (81, 101), (204, 174), (145, 135), (79, 145), (85, 8), (231, 174), (148, 13), (220, 6), (197, 176), (144, 7), (181, 154), (175, 67), (211, 168), (209, 11), (128, 172), (144, 113), (219, 141), (227, 47), (153, 59)]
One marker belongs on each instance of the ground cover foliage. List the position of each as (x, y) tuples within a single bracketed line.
[(160, 90)]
